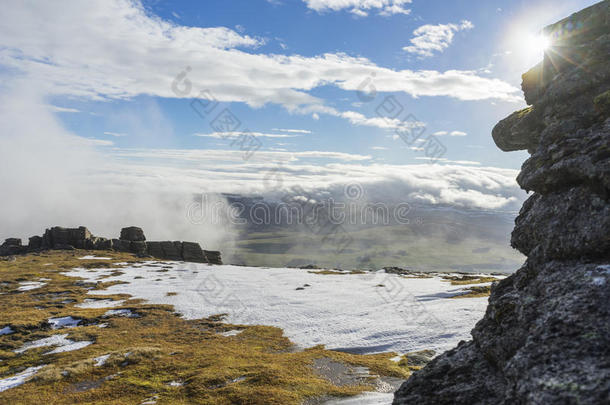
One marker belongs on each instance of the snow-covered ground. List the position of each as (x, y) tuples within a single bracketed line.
[(30, 285), (365, 313), (99, 303), (62, 343), (18, 379)]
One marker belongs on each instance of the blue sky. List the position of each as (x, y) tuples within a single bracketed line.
[(99, 84), (290, 27)]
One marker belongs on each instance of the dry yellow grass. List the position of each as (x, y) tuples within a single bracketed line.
[(475, 292), (257, 366)]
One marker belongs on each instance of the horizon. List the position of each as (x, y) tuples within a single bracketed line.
[(128, 110)]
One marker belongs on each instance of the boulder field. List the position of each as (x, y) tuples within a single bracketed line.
[(131, 240)]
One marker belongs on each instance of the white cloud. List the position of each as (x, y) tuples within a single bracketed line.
[(379, 148), (360, 7), (295, 131), (115, 134), (445, 160), (55, 108), (115, 50), (429, 39), (452, 133), (236, 134)]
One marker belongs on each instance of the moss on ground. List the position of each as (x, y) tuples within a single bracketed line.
[(156, 355)]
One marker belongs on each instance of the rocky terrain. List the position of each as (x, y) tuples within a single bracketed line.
[(131, 240), (545, 338)]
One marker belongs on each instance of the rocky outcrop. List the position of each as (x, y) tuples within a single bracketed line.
[(133, 234), (545, 337), (132, 240)]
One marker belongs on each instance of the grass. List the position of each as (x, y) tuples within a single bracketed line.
[(145, 354), (463, 280), (475, 292)]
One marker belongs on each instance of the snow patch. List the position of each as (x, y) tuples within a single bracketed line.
[(101, 360), (233, 332), (368, 398), (121, 312), (6, 331), (347, 312), (71, 347), (65, 322), (92, 303), (18, 379), (64, 344), (30, 285), (94, 258)]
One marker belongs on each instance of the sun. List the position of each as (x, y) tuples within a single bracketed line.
[(537, 44)]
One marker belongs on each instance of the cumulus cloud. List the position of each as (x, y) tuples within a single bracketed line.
[(452, 133), (360, 7), (116, 50), (429, 39)]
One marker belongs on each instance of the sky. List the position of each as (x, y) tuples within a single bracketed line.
[(258, 95)]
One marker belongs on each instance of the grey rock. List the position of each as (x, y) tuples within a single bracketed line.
[(12, 242), (102, 244), (545, 337), (133, 234), (121, 245), (138, 247), (518, 131), (58, 236), (213, 256), (564, 225), (12, 246), (172, 250), (420, 358), (154, 249), (192, 252), (35, 243)]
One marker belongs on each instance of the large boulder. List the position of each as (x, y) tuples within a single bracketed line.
[(121, 245), (12, 246), (58, 237), (35, 243), (154, 249), (192, 252), (133, 234), (545, 337), (213, 256), (172, 250)]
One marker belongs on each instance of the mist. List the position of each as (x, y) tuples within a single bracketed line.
[(52, 177)]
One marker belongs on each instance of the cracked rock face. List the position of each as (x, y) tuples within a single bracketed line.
[(545, 338)]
